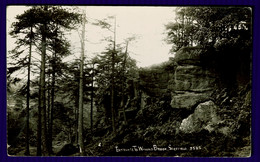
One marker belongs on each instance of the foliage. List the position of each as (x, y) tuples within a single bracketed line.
[(43, 27), (58, 19), (223, 35), (125, 73), (181, 32), (209, 26)]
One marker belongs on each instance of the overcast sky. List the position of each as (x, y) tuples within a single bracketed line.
[(145, 22)]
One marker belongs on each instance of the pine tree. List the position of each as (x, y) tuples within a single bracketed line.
[(80, 125), (44, 18), (25, 25)]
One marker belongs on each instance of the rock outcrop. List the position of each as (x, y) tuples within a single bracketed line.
[(191, 84), (194, 94), (154, 81)]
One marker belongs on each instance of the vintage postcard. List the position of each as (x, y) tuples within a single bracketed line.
[(162, 81)]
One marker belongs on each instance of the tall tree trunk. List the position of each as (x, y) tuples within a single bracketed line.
[(123, 83), (48, 99), (27, 150), (39, 126), (52, 101), (76, 111), (113, 94), (92, 98), (42, 129), (113, 82), (43, 98), (124, 107), (81, 140), (48, 107), (76, 121)]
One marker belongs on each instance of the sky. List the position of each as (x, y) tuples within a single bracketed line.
[(146, 23)]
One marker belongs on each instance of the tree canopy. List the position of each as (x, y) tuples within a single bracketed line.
[(210, 26)]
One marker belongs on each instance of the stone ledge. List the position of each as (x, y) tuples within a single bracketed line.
[(195, 91), (187, 100)]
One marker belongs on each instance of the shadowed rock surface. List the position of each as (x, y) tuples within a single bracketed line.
[(204, 117), (68, 149), (192, 83)]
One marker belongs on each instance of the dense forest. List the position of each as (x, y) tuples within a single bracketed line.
[(198, 103)]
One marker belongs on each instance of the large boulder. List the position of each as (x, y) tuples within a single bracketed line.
[(203, 118)]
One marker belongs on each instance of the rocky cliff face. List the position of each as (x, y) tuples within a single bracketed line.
[(191, 84), (186, 80), (154, 81), (194, 90)]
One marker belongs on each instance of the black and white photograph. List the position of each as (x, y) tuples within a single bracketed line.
[(129, 81)]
